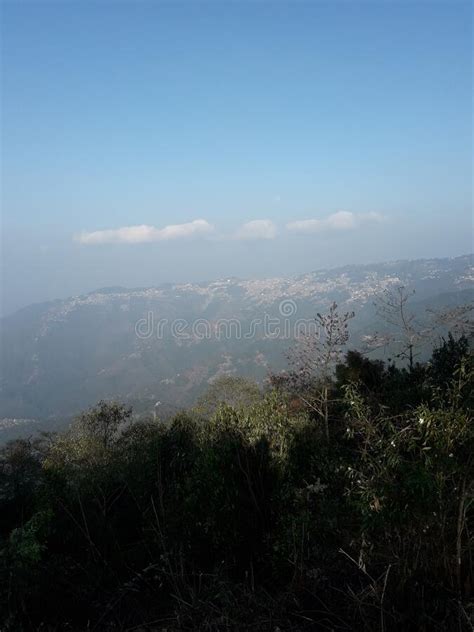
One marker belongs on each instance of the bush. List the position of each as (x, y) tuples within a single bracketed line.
[(252, 516)]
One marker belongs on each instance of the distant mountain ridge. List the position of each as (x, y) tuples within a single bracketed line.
[(61, 356)]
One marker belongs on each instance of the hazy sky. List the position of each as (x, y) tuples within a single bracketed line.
[(146, 142)]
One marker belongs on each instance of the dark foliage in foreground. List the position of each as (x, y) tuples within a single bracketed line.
[(252, 519)]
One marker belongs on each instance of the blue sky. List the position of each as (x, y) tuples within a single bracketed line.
[(270, 138)]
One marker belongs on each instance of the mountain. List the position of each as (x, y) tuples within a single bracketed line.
[(165, 344)]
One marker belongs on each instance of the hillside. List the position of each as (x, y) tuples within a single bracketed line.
[(167, 343)]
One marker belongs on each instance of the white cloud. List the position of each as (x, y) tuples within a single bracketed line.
[(143, 233), (253, 230), (257, 229), (342, 220)]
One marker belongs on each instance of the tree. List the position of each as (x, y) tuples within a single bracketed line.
[(459, 320), (357, 368), (102, 422), (447, 358), (235, 391), (406, 334), (313, 360)]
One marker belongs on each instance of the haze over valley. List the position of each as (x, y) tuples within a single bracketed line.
[(168, 343)]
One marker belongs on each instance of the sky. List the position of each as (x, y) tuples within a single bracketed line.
[(149, 142)]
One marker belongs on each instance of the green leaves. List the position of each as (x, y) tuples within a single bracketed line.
[(119, 522), (26, 544)]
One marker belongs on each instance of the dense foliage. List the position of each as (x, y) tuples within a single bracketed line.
[(252, 516)]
